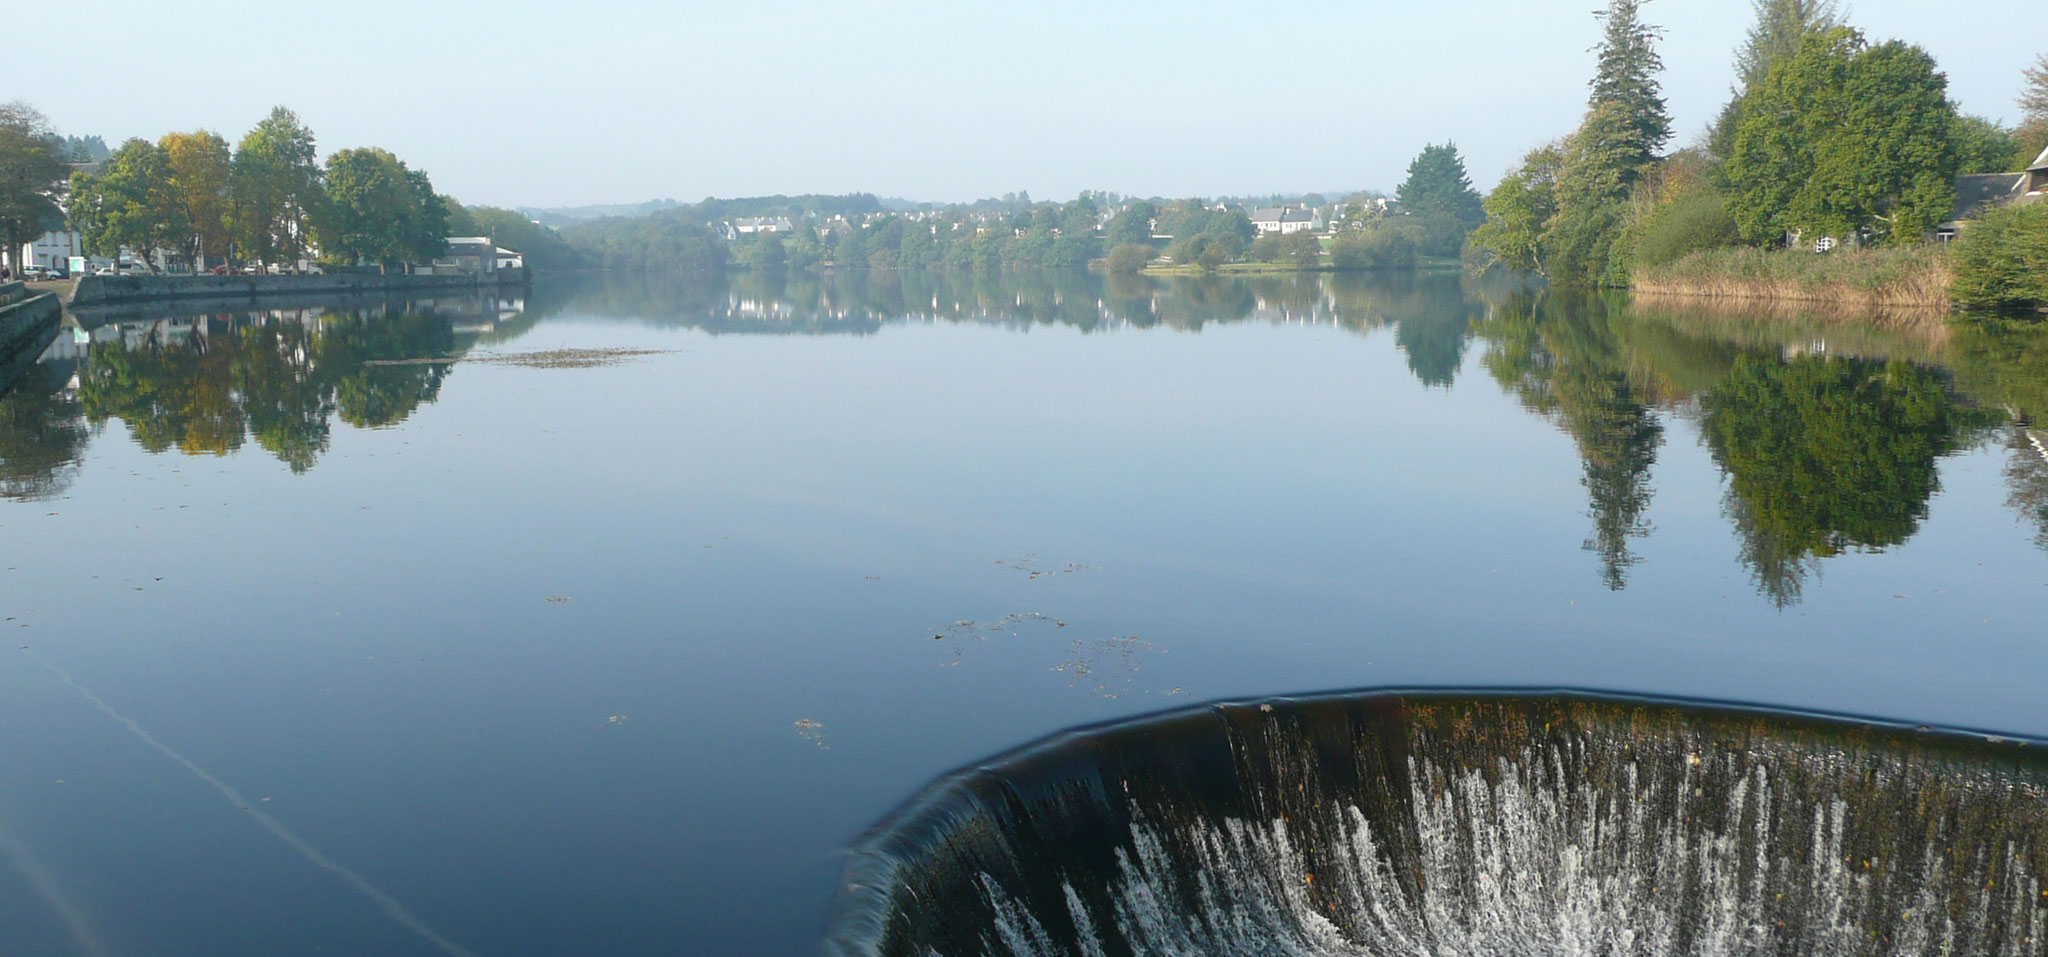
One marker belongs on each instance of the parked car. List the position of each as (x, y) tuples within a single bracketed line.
[(36, 273), (105, 271)]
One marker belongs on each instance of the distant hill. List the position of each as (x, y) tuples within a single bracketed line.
[(711, 208), (559, 216)]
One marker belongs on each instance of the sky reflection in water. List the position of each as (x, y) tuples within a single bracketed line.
[(618, 658)]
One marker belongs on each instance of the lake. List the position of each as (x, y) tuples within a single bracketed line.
[(604, 619)]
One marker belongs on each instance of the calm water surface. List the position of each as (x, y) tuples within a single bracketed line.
[(393, 629)]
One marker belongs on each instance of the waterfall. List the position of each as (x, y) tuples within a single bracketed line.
[(1438, 825)]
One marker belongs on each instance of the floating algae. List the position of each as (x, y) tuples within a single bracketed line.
[(1537, 825)]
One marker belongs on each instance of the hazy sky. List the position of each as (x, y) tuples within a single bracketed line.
[(557, 103)]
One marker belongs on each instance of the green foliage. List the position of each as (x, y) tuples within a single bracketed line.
[(1695, 219), (766, 253), (1636, 124), (1439, 196), (1133, 225), (130, 203), (1518, 209), (1129, 259), (369, 199), (1780, 27), (669, 241), (274, 190), (1381, 246), (1985, 146), (1302, 248), (32, 172), (2001, 261), (1563, 212), (1845, 139), (1824, 455)]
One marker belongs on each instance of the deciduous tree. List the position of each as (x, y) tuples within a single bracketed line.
[(32, 173), (1846, 138), (199, 165), (275, 188)]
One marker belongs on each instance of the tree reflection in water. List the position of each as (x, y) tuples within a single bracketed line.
[(42, 435), (206, 389), (1560, 357), (1826, 454), (1823, 452)]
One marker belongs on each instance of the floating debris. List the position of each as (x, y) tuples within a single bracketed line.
[(980, 631), (1107, 665), (1028, 564), (616, 719), (558, 599), (542, 359), (812, 731)]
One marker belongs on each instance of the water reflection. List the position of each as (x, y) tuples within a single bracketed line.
[(1826, 454), (1398, 824), (1829, 435), (1561, 356), (42, 434)]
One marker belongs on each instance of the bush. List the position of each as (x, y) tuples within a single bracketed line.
[(2001, 261), (1266, 248), (1382, 246), (1129, 259), (1304, 249), (1695, 220)]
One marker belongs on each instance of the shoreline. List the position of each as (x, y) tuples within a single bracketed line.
[(96, 291)]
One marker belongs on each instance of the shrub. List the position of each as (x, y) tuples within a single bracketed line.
[(1303, 249), (2001, 261), (1696, 219), (1265, 249), (1129, 259), (1388, 246)]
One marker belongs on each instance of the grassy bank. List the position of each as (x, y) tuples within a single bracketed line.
[(1903, 280)]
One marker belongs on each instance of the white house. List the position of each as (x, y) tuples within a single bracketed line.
[(749, 225), (52, 249), (1285, 219)]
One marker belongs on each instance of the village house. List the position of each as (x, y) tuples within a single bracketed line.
[(1285, 219), (1978, 194)]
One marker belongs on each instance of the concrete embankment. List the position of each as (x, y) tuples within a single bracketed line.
[(26, 321), (112, 290)]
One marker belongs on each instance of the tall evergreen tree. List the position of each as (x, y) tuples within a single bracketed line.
[(1626, 82), (1440, 196)]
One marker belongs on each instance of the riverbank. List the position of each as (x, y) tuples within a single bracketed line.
[(118, 290), (27, 317), (1913, 283)]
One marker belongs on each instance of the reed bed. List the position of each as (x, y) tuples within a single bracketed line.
[(1910, 284)]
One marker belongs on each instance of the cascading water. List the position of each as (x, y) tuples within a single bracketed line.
[(1550, 825)]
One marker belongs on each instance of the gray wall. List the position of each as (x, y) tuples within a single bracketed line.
[(100, 290)]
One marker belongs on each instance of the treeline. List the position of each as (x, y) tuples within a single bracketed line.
[(267, 199), (1830, 140)]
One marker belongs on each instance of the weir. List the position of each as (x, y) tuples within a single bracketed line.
[(1440, 824)]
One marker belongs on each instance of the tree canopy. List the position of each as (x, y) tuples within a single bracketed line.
[(1845, 139), (32, 172), (1439, 195)]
